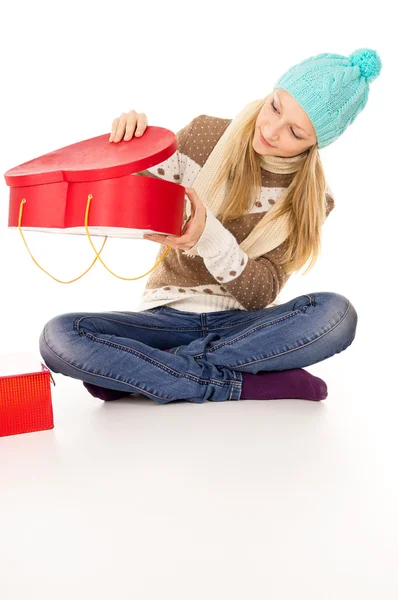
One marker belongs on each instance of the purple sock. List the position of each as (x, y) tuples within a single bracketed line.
[(291, 383), (104, 393)]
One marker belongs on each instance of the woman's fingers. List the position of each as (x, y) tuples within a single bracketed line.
[(115, 123), (121, 127), (128, 125), (136, 124)]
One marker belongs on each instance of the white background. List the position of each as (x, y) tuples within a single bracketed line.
[(273, 500)]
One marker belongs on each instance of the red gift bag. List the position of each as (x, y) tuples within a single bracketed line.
[(25, 395), (91, 188)]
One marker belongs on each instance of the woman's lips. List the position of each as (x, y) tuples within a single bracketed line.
[(265, 141)]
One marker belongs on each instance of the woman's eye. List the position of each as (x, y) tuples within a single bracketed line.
[(296, 136)]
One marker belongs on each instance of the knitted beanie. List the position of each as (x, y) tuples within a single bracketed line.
[(332, 89)]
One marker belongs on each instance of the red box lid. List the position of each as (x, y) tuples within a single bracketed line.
[(96, 159)]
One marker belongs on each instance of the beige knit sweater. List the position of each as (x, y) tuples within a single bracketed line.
[(223, 276)]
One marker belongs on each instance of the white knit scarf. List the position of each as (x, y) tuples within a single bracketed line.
[(260, 240)]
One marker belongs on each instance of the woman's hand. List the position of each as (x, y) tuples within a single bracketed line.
[(128, 125), (193, 228)]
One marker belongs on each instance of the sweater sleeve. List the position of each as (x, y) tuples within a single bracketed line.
[(254, 283)]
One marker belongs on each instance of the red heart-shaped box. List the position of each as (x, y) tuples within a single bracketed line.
[(56, 187)]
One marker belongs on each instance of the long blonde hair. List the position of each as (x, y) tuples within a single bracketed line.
[(304, 200)]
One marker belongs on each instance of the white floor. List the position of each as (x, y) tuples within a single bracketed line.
[(277, 499)]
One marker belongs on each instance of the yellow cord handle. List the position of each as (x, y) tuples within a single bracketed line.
[(35, 261), (98, 256), (95, 250)]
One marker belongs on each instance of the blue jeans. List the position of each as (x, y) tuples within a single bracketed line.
[(210, 351)]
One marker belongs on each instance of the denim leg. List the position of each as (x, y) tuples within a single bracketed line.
[(298, 333), (121, 351)]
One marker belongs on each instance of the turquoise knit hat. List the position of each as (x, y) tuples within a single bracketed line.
[(332, 89)]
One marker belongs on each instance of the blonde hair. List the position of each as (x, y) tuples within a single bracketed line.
[(304, 200)]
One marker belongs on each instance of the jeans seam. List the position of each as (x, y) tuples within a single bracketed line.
[(292, 349), (199, 329), (237, 338), (246, 322), (77, 321), (234, 385)]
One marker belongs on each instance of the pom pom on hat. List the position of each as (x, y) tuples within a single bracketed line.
[(368, 61)]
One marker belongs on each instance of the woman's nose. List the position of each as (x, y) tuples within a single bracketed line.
[(272, 132)]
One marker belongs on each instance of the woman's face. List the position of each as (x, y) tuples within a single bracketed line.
[(280, 120)]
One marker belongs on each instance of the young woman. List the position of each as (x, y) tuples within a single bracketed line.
[(253, 218)]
